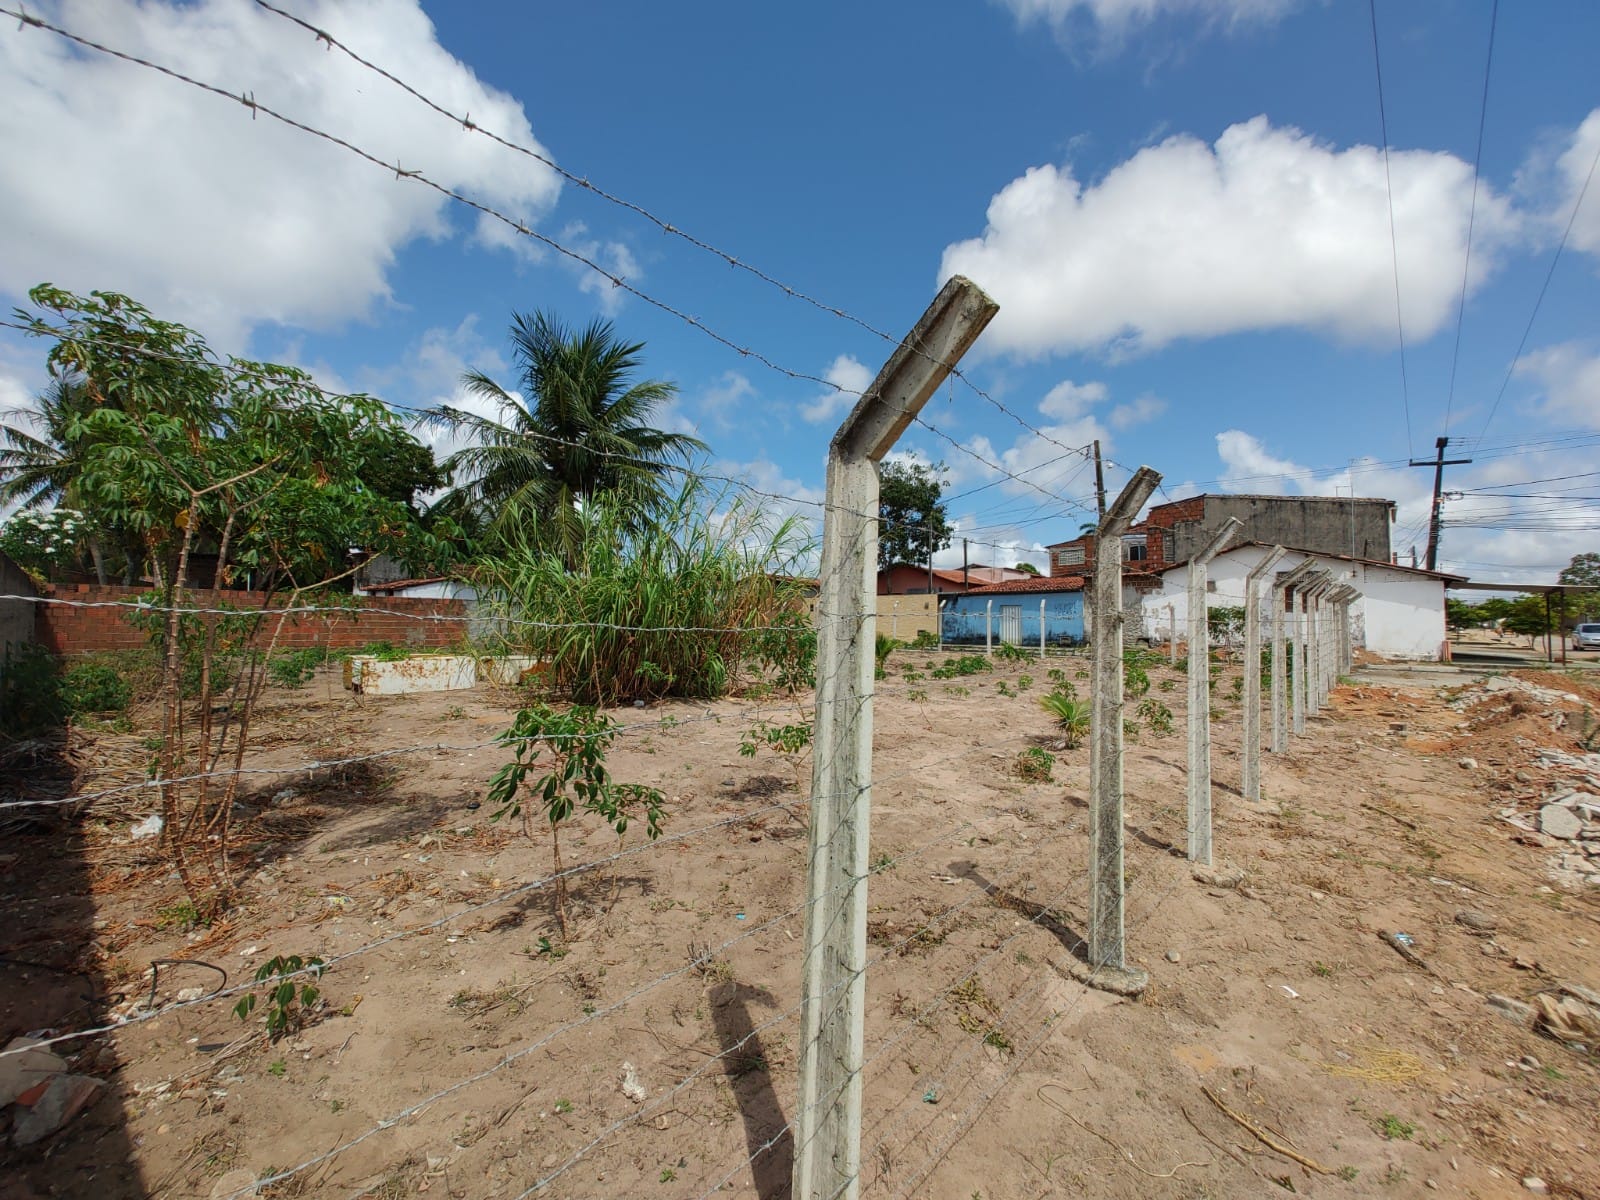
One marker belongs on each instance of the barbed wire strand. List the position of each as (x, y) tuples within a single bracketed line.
[(524, 889), (415, 175), (465, 121), (912, 1023), (696, 963)]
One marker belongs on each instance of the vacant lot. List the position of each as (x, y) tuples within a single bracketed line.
[(461, 1048)]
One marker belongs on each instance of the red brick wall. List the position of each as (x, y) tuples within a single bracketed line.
[(68, 630)]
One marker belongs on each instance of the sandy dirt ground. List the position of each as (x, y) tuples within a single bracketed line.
[(462, 1048)]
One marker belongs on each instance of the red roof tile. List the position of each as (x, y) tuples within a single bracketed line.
[(1044, 583)]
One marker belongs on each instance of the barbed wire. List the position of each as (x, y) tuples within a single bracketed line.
[(696, 963), (240, 369), (535, 885), (416, 175), (464, 120)]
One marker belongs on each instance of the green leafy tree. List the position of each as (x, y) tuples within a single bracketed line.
[(1458, 614), (1527, 615), (912, 524), (1026, 568), (1583, 569), (183, 453), (578, 430)]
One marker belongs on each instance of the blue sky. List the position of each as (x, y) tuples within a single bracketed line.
[(1181, 206)]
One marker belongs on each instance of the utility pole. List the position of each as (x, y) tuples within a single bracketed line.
[(966, 583), (930, 558), (1099, 479), (1439, 463)]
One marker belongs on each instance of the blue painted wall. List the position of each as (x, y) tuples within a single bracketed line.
[(962, 618)]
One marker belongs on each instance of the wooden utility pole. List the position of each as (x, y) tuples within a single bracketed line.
[(1436, 521), (1108, 967), (1200, 694), (1250, 782), (827, 1124)]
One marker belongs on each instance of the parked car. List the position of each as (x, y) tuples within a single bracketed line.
[(1586, 637)]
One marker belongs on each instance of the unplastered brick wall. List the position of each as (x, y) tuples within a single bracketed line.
[(68, 630)]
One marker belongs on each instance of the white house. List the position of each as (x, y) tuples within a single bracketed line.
[(1400, 613), (438, 587)]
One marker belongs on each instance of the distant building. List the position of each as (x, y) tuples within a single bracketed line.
[(1014, 612), (1173, 533), (909, 579), (1399, 614)]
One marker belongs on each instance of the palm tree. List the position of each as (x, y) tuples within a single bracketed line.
[(41, 460), (577, 431)]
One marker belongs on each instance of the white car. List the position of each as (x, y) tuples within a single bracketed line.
[(1586, 637)]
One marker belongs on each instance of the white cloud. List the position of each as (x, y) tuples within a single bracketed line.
[(1575, 167), (723, 399), (1068, 401), (1268, 229), (1569, 375), (1141, 410), (119, 178), (615, 258), (1117, 16), (850, 378)]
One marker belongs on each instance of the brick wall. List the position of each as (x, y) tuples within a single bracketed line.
[(67, 630)]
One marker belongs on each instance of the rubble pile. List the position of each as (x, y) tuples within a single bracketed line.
[(38, 1093)]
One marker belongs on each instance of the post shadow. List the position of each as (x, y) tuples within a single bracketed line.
[(1045, 918), (51, 982), (746, 1066)]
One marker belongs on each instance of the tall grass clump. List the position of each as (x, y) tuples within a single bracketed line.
[(684, 603)]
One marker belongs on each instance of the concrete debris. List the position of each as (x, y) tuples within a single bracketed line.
[(1219, 877), (20, 1072), (61, 1099), (631, 1087), (1556, 820), (1468, 764), (1567, 1018), (238, 1182), (1513, 1010), (148, 828)]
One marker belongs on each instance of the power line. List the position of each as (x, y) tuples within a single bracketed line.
[(1472, 214), (1566, 233), (1394, 247)]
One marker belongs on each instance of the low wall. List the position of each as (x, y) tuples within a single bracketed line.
[(68, 630)]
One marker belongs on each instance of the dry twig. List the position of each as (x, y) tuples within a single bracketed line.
[(1262, 1136)]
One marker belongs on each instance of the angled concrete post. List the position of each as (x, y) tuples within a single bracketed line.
[(1108, 967), (988, 627), (1300, 682), (1314, 630), (1339, 633), (1200, 694), (1282, 616), (827, 1137), (1250, 784), (1041, 630)]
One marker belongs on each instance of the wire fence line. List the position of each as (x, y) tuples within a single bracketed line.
[(242, 370), (416, 175), (524, 889), (465, 121), (697, 963)]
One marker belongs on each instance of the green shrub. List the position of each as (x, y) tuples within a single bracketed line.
[(1035, 765), (885, 646), (95, 687), (621, 597), (926, 639), (30, 692), (964, 664), (1008, 652), (294, 668)]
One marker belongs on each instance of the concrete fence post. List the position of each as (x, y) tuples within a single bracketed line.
[(1172, 634), (1108, 967), (1315, 668), (1041, 630), (1282, 626), (1200, 694), (1250, 784), (1300, 683), (827, 1122), (988, 627)]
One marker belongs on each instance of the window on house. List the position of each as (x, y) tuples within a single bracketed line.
[(1134, 549), (1070, 557)]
